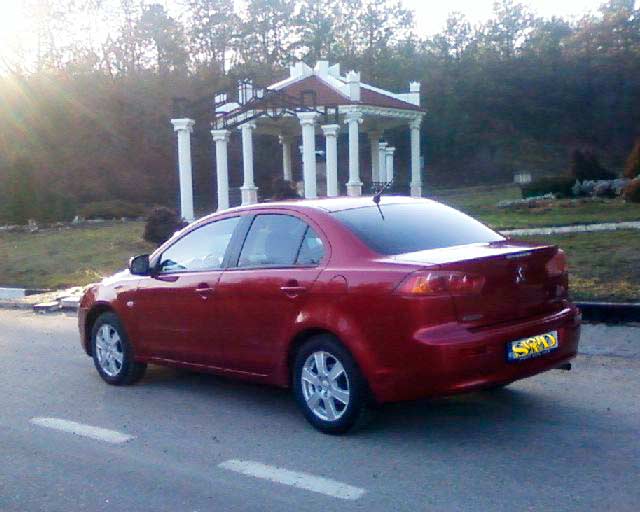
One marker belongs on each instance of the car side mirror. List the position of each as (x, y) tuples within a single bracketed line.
[(139, 265)]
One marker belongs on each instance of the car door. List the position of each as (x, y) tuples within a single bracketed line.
[(176, 307), (262, 295)]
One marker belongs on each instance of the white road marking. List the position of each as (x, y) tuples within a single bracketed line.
[(80, 429), (294, 478)]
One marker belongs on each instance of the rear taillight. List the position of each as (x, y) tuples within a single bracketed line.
[(439, 282), (557, 265)]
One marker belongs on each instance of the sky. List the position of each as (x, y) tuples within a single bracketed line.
[(430, 16)]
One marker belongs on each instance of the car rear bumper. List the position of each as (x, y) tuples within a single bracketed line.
[(450, 359)]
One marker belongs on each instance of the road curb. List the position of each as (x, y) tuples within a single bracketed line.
[(41, 307), (49, 302), (10, 304), (575, 228), (610, 312)]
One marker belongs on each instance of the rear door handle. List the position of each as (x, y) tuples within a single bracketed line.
[(293, 288), (204, 290)]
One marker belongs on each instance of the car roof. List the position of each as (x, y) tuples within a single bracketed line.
[(329, 204)]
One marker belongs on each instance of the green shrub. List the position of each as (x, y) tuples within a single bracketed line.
[(559, 185), (53, 207), (114, 209), (632, 192), (585, 166), (282, 190), (19, 202), (161, 224), (632, 167)]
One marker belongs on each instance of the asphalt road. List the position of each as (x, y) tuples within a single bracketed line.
[(558, 441)]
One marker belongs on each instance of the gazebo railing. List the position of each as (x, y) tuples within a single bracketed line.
[(248, 103), (258, 103)]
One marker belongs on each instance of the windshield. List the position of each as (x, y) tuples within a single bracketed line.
[(414, 227)]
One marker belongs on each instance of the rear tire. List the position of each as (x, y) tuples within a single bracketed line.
[(329, 386), (112, 352)]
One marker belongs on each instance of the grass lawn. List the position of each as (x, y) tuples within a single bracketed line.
[(602, 265), (68, 257), (480, 202)]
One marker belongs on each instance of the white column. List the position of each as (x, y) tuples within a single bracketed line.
[(184, 127), (221, 138), (249, 191), (331, 139), (388, 164), (382, 162), (354, 185), (374, 140), (416, 179), (308, 121), (287, 175)]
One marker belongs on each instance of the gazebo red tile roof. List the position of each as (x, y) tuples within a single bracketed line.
[(327, 95), (369, 97), (318, 87)]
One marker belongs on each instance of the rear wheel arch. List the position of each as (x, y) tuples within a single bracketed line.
[(302, 337)]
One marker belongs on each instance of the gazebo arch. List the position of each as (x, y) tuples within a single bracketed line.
[(310, 102)]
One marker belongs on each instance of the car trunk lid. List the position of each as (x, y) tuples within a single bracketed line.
[(516, 281)]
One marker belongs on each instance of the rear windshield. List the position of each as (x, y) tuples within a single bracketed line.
[(414, 227)]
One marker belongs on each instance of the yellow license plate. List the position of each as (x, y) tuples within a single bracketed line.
[(535, 346)]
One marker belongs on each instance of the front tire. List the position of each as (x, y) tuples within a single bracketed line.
[(113, 353), (329, 386), (497, 387)]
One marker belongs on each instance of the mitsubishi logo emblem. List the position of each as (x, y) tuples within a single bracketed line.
[(520, 274)]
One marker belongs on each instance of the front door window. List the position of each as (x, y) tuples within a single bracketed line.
[(202, 249)]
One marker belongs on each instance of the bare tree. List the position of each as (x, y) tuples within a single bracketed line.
[(211, 28), (161, 40), (267, 34)]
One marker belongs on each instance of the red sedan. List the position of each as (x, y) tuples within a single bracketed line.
[(346, 301)]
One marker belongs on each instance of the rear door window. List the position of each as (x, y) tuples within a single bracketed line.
[(411, 227), (311, 250), (273, 240)]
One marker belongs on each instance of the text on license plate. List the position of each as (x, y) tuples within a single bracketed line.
[(533, 346)]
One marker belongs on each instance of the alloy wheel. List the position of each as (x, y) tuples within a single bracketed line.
[(109, 350), (325, 386)]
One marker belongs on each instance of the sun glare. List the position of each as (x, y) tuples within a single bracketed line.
[(10, 16), (11, 29)]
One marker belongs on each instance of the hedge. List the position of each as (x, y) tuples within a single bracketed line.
[(559, 185)]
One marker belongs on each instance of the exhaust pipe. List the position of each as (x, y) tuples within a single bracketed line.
[(565, 366)]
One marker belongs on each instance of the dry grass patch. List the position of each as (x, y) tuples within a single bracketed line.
[(68, 256), (603, 265)]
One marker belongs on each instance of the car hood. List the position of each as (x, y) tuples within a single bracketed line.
[(123, 275)]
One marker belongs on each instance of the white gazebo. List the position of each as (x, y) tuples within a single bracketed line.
[(311, 102)]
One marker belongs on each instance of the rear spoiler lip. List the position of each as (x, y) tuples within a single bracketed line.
[(523, 252), (517, 255)]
